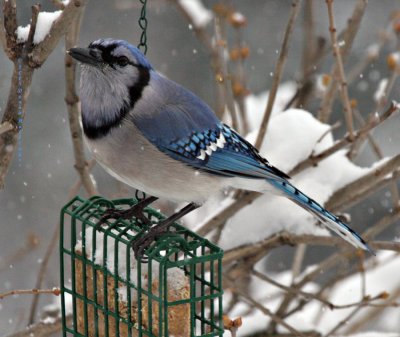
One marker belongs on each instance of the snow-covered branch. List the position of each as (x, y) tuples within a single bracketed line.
[(27, 49)]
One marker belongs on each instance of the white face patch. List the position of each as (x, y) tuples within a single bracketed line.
[(220, 143)]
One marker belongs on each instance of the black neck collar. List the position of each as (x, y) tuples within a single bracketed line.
[(135, 93)]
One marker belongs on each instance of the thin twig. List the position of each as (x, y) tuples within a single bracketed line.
[(80, 162), (278, 72), (223, 77), (32, 29), (379, 154), (366, 300), (74, 189), (329, 131), (372, 52), (309, 38), (356, 146), (344, 321), (373, 313), (54, 291), (52, 244), (297, 292), (43, 329), (263, 309), (348, 37), (239, 85), (285, 238), (205, 38), (345, 196), (314, 159), (307, 85), (31, 242), (298, 260), (342, 77), (336, 259), (42, 272), (72, 101)]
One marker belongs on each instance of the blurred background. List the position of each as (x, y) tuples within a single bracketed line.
[(37, 186)]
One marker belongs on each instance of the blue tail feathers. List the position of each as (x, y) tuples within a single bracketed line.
[(327, 218)]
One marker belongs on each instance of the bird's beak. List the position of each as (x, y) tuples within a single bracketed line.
[(86, 55)]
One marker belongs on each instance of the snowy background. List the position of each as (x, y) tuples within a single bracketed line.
[(37, 186)]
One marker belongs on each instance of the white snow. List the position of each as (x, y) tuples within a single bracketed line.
[(48, 320), (44, 22), (55, 306), (238, 17), (321, 85), (373, 51), (255, 104), (270, 214), (292, 136), (380, 91), (379, 278), (176, 276), (199, 15), (22, 33)]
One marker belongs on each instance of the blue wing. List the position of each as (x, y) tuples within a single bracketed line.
[(190, 132)]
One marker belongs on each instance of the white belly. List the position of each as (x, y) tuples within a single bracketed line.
[(130, 158)]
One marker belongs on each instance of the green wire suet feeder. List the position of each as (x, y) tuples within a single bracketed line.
[(106, 292)]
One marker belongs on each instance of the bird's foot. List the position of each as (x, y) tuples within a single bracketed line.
[(136, 211), (142, 243)]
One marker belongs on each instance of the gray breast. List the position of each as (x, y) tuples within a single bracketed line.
[(128, 156)]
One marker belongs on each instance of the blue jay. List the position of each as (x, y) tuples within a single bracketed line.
[(156, 136)]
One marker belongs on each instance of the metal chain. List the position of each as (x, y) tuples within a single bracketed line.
[(140, 195), (143, 26), (142, 44)]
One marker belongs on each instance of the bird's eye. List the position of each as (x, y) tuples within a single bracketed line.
[(122, 61)]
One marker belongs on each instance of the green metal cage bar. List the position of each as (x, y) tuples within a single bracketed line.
[(177, 292)]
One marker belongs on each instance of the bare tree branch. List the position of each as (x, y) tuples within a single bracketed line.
[(205, 38), (342, 77), (314, 159), (278, 72), (343, 198), (54, 291), (264, 310), (81, 165), (26, 58), (10, 28), (246, 198), (348, 38), (72, 101)]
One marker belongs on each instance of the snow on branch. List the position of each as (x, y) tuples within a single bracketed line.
[(199, 15), (44, 22), (27, 48)]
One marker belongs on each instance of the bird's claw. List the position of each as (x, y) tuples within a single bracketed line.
[(136, 211), (141, 244)]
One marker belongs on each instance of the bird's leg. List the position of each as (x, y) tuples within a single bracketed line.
[(135, 211), (140, 245)]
